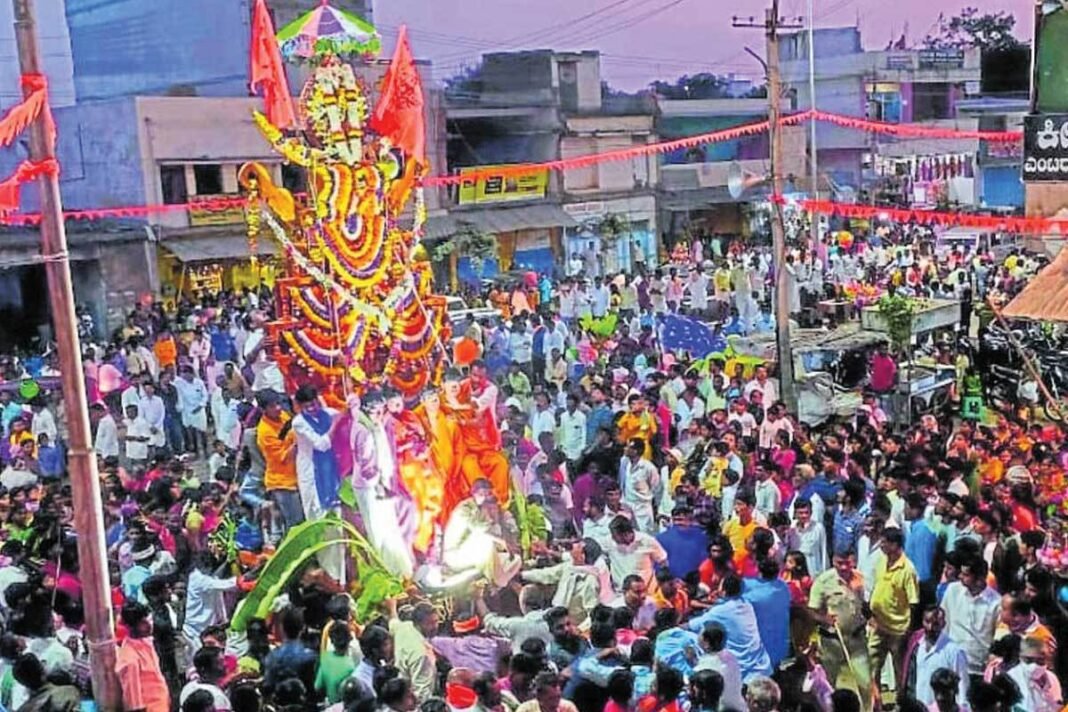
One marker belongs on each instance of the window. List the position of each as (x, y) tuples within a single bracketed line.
[(208, 178), (931, 101), (172, 184), (294, 178), (884, 102)]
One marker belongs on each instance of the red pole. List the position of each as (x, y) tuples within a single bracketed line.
[(85, 483)]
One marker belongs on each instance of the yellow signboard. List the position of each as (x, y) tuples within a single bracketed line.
[(200, 216), (486, 187)]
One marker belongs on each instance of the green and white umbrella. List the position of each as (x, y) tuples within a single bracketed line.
[(327, 30)]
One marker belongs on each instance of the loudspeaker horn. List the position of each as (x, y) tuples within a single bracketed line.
[(739, 180)]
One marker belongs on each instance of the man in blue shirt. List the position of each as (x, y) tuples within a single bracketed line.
[(738, 619), (770, 599), (921, 544), (849, 517), (600, 415), (685, 543)]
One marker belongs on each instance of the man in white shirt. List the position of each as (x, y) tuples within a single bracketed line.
[(600, 298), (43, 422), (934, 651), (267, 375), (152, 409), (314, 427), (698, 289), (743, 417), (632, 552), (521, 346), (572, 437), (768, 497), (972, 611), (640, 480), (137, 438), (132, 394), (689, 408), (106, 442), (812, 537), (543, 419), (766, 386)]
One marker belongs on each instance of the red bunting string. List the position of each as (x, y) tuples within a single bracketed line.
[(1025, 226), (916, 131), (26, 172), (17, 117)]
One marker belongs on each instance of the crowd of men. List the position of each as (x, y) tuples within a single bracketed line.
[(701, 549)]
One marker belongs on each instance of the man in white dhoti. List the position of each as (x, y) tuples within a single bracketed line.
[(318, 472), (379, 495), (474, 540), (192, 405)]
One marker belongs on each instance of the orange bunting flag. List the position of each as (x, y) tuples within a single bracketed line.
[(398, 115), (266, 70)]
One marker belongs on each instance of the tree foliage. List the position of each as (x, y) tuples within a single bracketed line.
[(698, 86), (469, 241), (987, 31), (467, 81)]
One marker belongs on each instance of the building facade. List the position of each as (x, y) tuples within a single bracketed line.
[(896, 86)]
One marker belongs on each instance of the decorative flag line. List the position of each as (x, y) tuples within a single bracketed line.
[(1026, 226), (1030, 226), (914, 130), (751, 129)]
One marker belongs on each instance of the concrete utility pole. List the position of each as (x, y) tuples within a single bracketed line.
[(771, 26), (85, 483), (812, 157)]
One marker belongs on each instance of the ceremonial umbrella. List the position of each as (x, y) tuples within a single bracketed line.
[(327, 30)]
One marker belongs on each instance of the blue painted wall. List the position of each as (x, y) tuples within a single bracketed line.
[(99, 156), (1002, 186), (125, 47)]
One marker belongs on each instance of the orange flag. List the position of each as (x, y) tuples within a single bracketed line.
[(398, 115), (266, 70)]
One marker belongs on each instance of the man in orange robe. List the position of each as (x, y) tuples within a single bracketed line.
[(446, 450), (418, 471), (472, 403), (639, 423)]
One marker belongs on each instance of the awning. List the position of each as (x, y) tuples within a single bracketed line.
[(1045, 298), (209, 248), (502, 219), (684, 200)]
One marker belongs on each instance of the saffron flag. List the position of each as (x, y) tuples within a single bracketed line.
[(266, 70), (398, 115)]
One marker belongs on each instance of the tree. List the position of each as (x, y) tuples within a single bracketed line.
[(989, 31), (699, 86), (471, 242), (466, 82)]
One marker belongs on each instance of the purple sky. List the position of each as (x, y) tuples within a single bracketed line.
[(651, 38)]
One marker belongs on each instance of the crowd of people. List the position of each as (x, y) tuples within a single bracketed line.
[(696, 548)]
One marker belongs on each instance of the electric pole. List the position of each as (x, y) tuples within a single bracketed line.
[(85, 483), (771, 26)]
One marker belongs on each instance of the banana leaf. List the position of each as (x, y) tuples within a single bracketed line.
[(301, 543)]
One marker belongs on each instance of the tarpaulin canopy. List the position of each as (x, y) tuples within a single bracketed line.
[(1045, 298), (194, 248)]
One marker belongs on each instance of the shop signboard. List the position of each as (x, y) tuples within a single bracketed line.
[(941, 58), (486, 186), (203, 216), (1045, 148)]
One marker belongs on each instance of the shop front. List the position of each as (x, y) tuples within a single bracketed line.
[(613, 232), (194, 263)]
